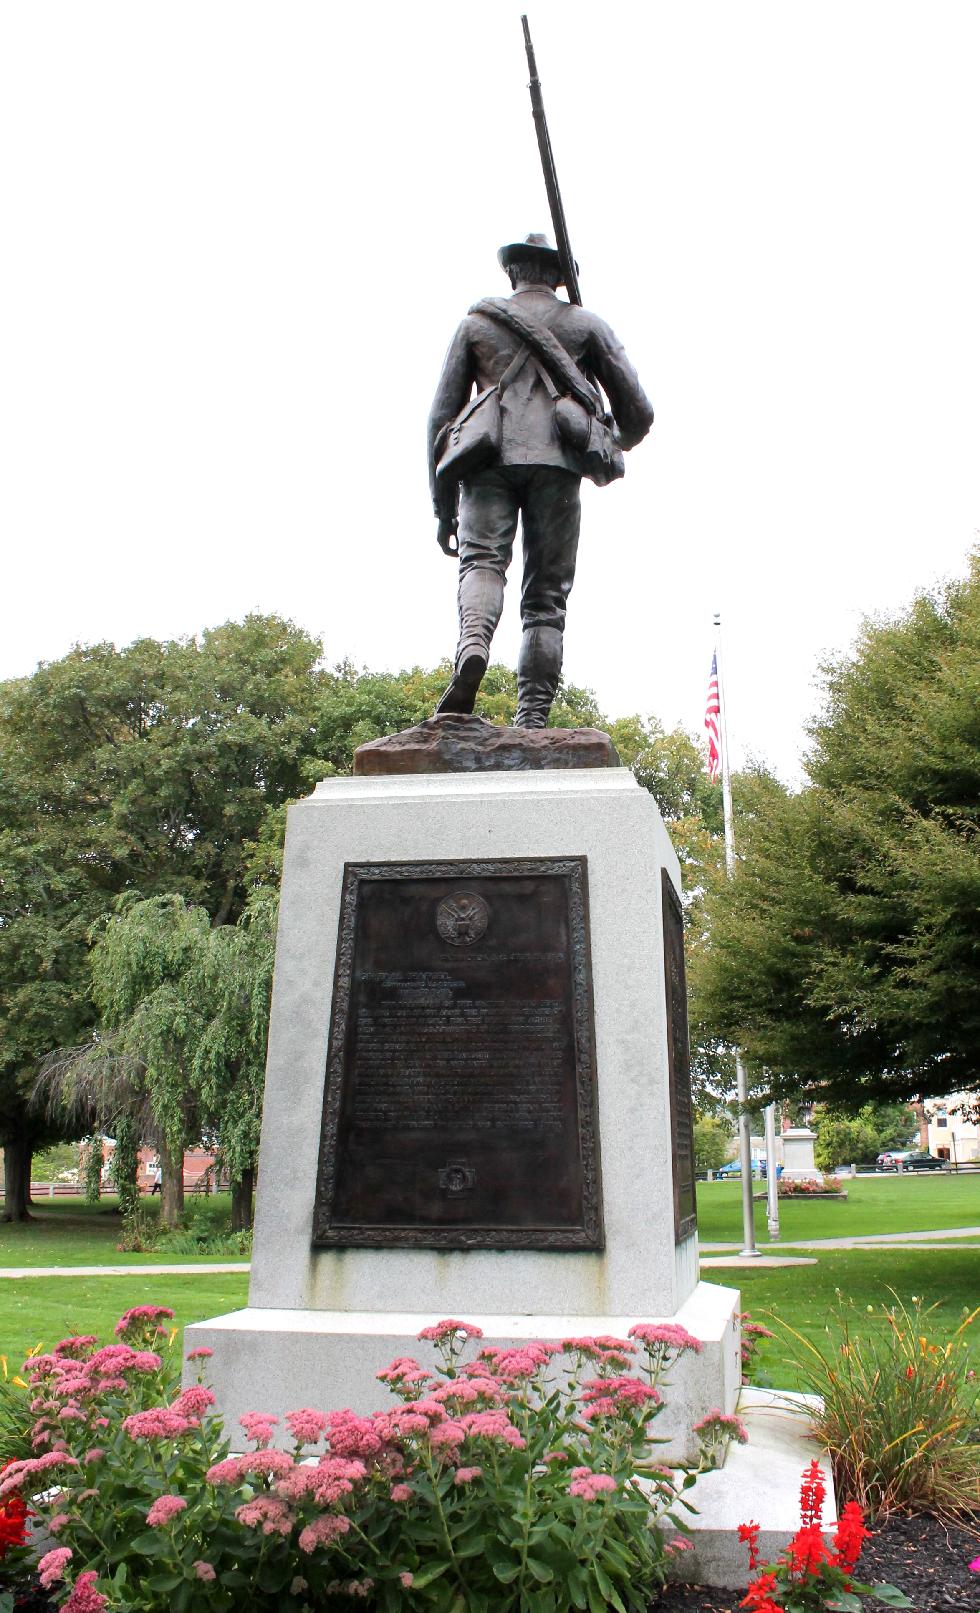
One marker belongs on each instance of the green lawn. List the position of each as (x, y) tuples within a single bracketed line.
[(874, 1204), (69, 1232), (36, 1310), (805, 1297), (40, 1311)]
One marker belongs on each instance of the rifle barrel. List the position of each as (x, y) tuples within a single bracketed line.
[(569, 273)]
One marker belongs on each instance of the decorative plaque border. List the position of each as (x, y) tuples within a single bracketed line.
[(679, 1065), (590, 1234)]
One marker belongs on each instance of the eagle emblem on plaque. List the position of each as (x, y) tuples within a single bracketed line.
[(462, 918)]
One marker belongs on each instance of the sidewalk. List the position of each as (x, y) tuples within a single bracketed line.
[(874, 1240), (121, 1271)]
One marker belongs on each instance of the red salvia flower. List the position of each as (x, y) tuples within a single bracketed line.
[(749, 1534), (13, 1522), (759, 1597), (851, 1535), (812, 1493), (807, 1550)]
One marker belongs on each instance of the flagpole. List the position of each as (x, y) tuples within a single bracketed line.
[(748, 1250)]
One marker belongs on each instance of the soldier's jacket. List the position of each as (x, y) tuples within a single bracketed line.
[(481, 351)]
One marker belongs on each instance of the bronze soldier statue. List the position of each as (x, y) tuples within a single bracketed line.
[(520, 448)]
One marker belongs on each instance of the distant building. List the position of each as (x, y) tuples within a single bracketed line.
[(947, 1134)]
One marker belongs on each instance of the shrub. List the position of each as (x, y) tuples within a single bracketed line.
[(496, 1483), (205, 1230), (900, 1413)]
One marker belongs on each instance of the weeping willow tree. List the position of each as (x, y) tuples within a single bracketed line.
[(180, 1049), (100, 1089)]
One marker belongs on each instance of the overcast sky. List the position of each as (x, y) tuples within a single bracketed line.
[(238, 238)]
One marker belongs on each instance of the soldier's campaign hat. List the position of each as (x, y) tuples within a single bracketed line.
[(533, 246)]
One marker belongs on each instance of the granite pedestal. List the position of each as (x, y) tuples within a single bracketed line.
[(799, 1164), (322, 1321)]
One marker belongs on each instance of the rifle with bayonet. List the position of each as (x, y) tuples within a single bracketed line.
[(568, 269)]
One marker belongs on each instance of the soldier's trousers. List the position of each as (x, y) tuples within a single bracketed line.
[(547, 500)]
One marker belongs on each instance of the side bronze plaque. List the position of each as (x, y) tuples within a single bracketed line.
[(679, 1057), (459, 1107)]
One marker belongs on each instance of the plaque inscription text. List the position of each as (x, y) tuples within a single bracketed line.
[(459, 1107)]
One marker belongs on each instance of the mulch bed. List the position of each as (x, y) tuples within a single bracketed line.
[(924, 1558)]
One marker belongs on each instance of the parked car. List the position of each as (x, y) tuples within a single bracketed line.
[(888, 1161), (924, 1162)]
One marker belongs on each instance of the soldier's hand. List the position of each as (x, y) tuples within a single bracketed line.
[(446, 536)]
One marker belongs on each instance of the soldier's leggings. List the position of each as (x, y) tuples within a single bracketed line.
[(547, 499)]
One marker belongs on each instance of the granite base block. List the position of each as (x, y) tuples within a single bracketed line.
[(278, 1360), (759, 1483)]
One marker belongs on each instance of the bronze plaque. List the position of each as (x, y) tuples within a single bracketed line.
[(459, 1108), (679, 1060)]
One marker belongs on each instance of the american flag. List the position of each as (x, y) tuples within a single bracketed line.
[(712, 713)]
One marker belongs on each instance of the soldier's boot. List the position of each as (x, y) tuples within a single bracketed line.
[(481, 600), (538, 671), (471, 663)]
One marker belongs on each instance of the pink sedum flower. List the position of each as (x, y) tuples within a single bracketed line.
[(193, 1401), (492, 1425), (446, 1436), (259, 1427), (719, 1425), (140, 1316), (268, 1513), (204, 1570), (306, 1425), (278, 1463), (51, 1568), (162, 1422), (15, 1476), (58, 1522), (448, 1327), (323, 1531), (405, 1369), (406, 1581), (401, 1492), (225, 1472), (84, 1597), (668, 1335), (466, 1475), (202, 1353), (350, 1435), (588, 1486), (163, 1509)]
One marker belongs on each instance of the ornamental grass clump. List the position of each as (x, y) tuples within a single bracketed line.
[(498, 1480), (900, 1410), (811, 1574)]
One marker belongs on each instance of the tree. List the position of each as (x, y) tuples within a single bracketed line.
[(711, 1141), (842, 1140), (44, 917), (845, 955), (145, 967), (149, 769), (234, 980)]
